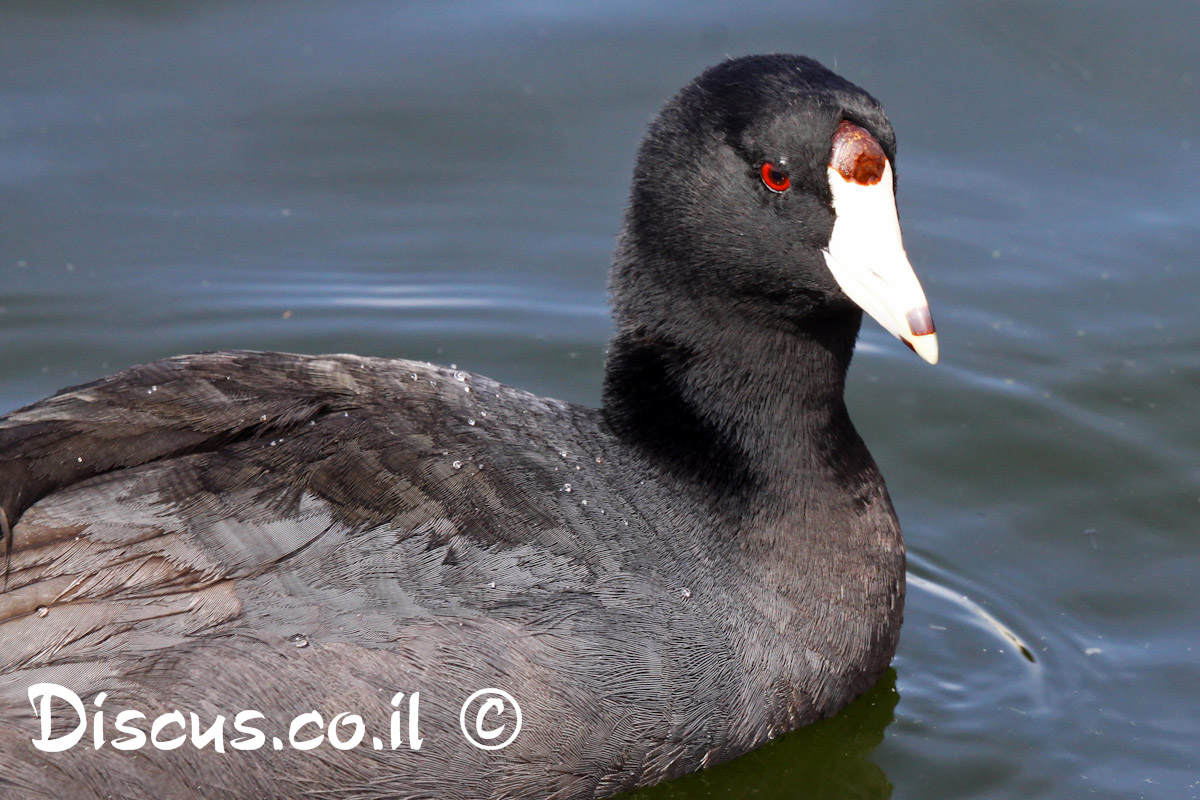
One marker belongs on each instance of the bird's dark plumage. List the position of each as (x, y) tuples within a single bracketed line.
[(708, 561)]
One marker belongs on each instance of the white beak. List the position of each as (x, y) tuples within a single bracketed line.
[(867, 259)]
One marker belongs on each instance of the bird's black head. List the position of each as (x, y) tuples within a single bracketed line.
[(733, 207)]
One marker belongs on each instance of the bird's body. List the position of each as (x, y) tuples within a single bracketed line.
[(706, 562)]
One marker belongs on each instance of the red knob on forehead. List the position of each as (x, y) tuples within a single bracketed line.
[(856, 155)]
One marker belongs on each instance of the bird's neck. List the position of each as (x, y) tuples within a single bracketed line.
[(750, 420), (751, 410)]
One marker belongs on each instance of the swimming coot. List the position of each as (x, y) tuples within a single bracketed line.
[(245, 574)]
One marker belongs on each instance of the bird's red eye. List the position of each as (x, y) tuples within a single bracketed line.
[(776, 179)]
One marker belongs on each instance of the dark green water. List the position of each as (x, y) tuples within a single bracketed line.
[(443, 181)]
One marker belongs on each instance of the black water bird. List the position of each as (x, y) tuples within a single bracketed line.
[(706, 562)]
